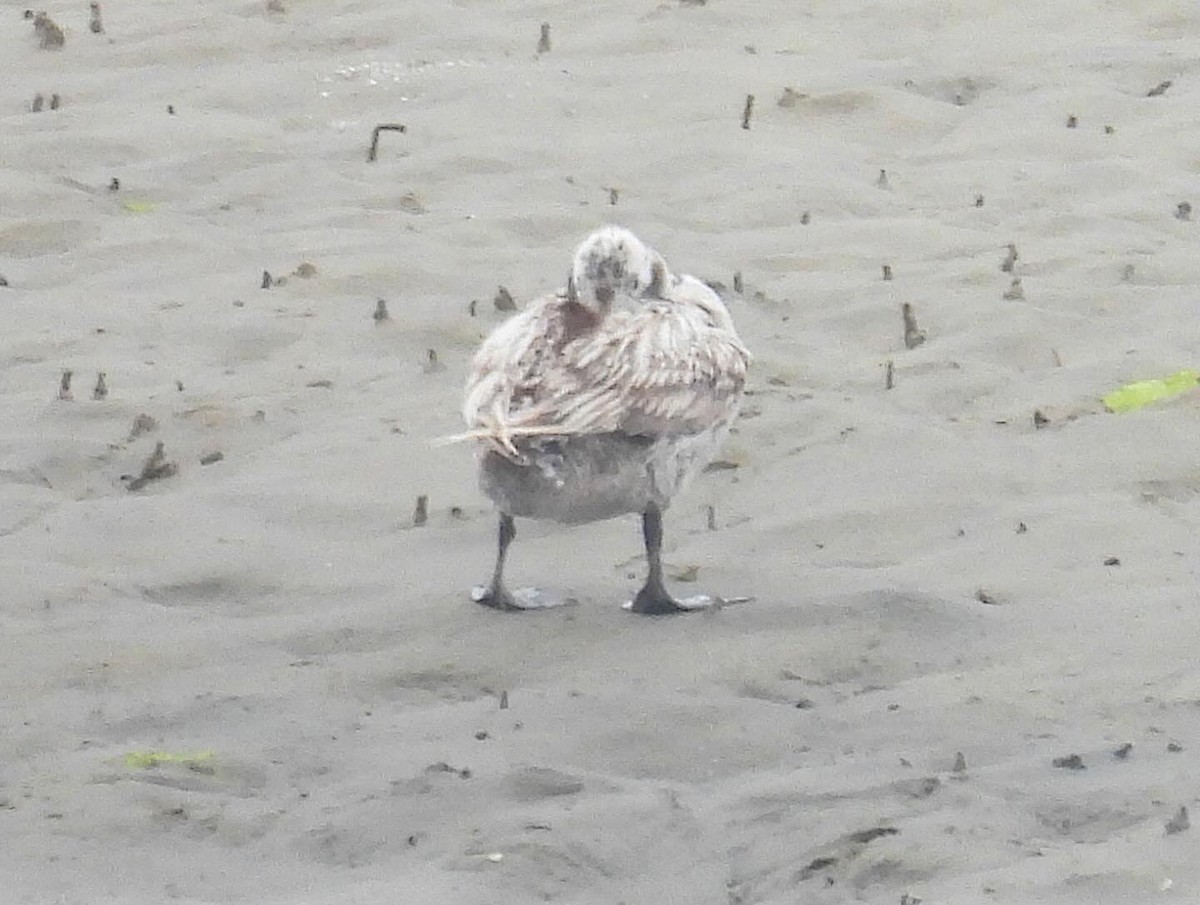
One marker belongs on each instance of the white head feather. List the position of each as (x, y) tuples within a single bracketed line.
[(613, 261)]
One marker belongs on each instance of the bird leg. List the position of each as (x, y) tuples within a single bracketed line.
[(497, 596), (653, 598)]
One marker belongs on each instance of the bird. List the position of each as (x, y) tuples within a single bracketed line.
[(603, 399)]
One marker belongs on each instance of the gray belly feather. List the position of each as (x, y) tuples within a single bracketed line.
[(598, 476)]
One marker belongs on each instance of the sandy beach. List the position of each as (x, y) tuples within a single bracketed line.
[(968, 674)]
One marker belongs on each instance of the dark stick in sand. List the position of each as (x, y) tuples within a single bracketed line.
[(747, 111), (738, 285), (421, 512), (1010, 259), (156, 468), (504, 300), (913, 335), (382, 127), (1159, 89), (887, 272), (381, 312), (544, 40), (95, 24), (101, 389), (889, 374), (50, 36), (64, 386)]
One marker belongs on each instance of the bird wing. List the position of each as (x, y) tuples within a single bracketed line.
[(660, 369), (509, 369)]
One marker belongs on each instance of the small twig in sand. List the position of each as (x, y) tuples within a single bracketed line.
[(381, 312), (504, 300), (1072, 121), (979, 200), (1109, 130), (544, 40), (1010, 260), (50, 36), (986, 598), (805, 218), (421, 512), (1179, 822), (1056, 358), (1183, 211), (156, 468), (114, 184), (382, 127), (710, 518), (473, 308), (789, 98), (38, 103), (960, 763), (889, 375), (504, 700), (170, 109), (613, 197), (1039, 419), (1069, 762), (212, 457), (55, 102), (267, 280), (142, 424), (3, 281), (96, 25), (883, 182), (100, 391), (1015, 291), (913, 335), (1127, 272), (887, 272), (64, 386), (747, 111), (738, 285), (1159, 89), (432, 364)]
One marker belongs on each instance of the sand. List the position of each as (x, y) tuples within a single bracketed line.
[(256, 681)]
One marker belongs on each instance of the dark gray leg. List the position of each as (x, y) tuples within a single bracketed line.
[(653, 598), (496, 595)]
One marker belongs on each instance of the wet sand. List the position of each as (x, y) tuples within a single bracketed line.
[(256, 680)]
